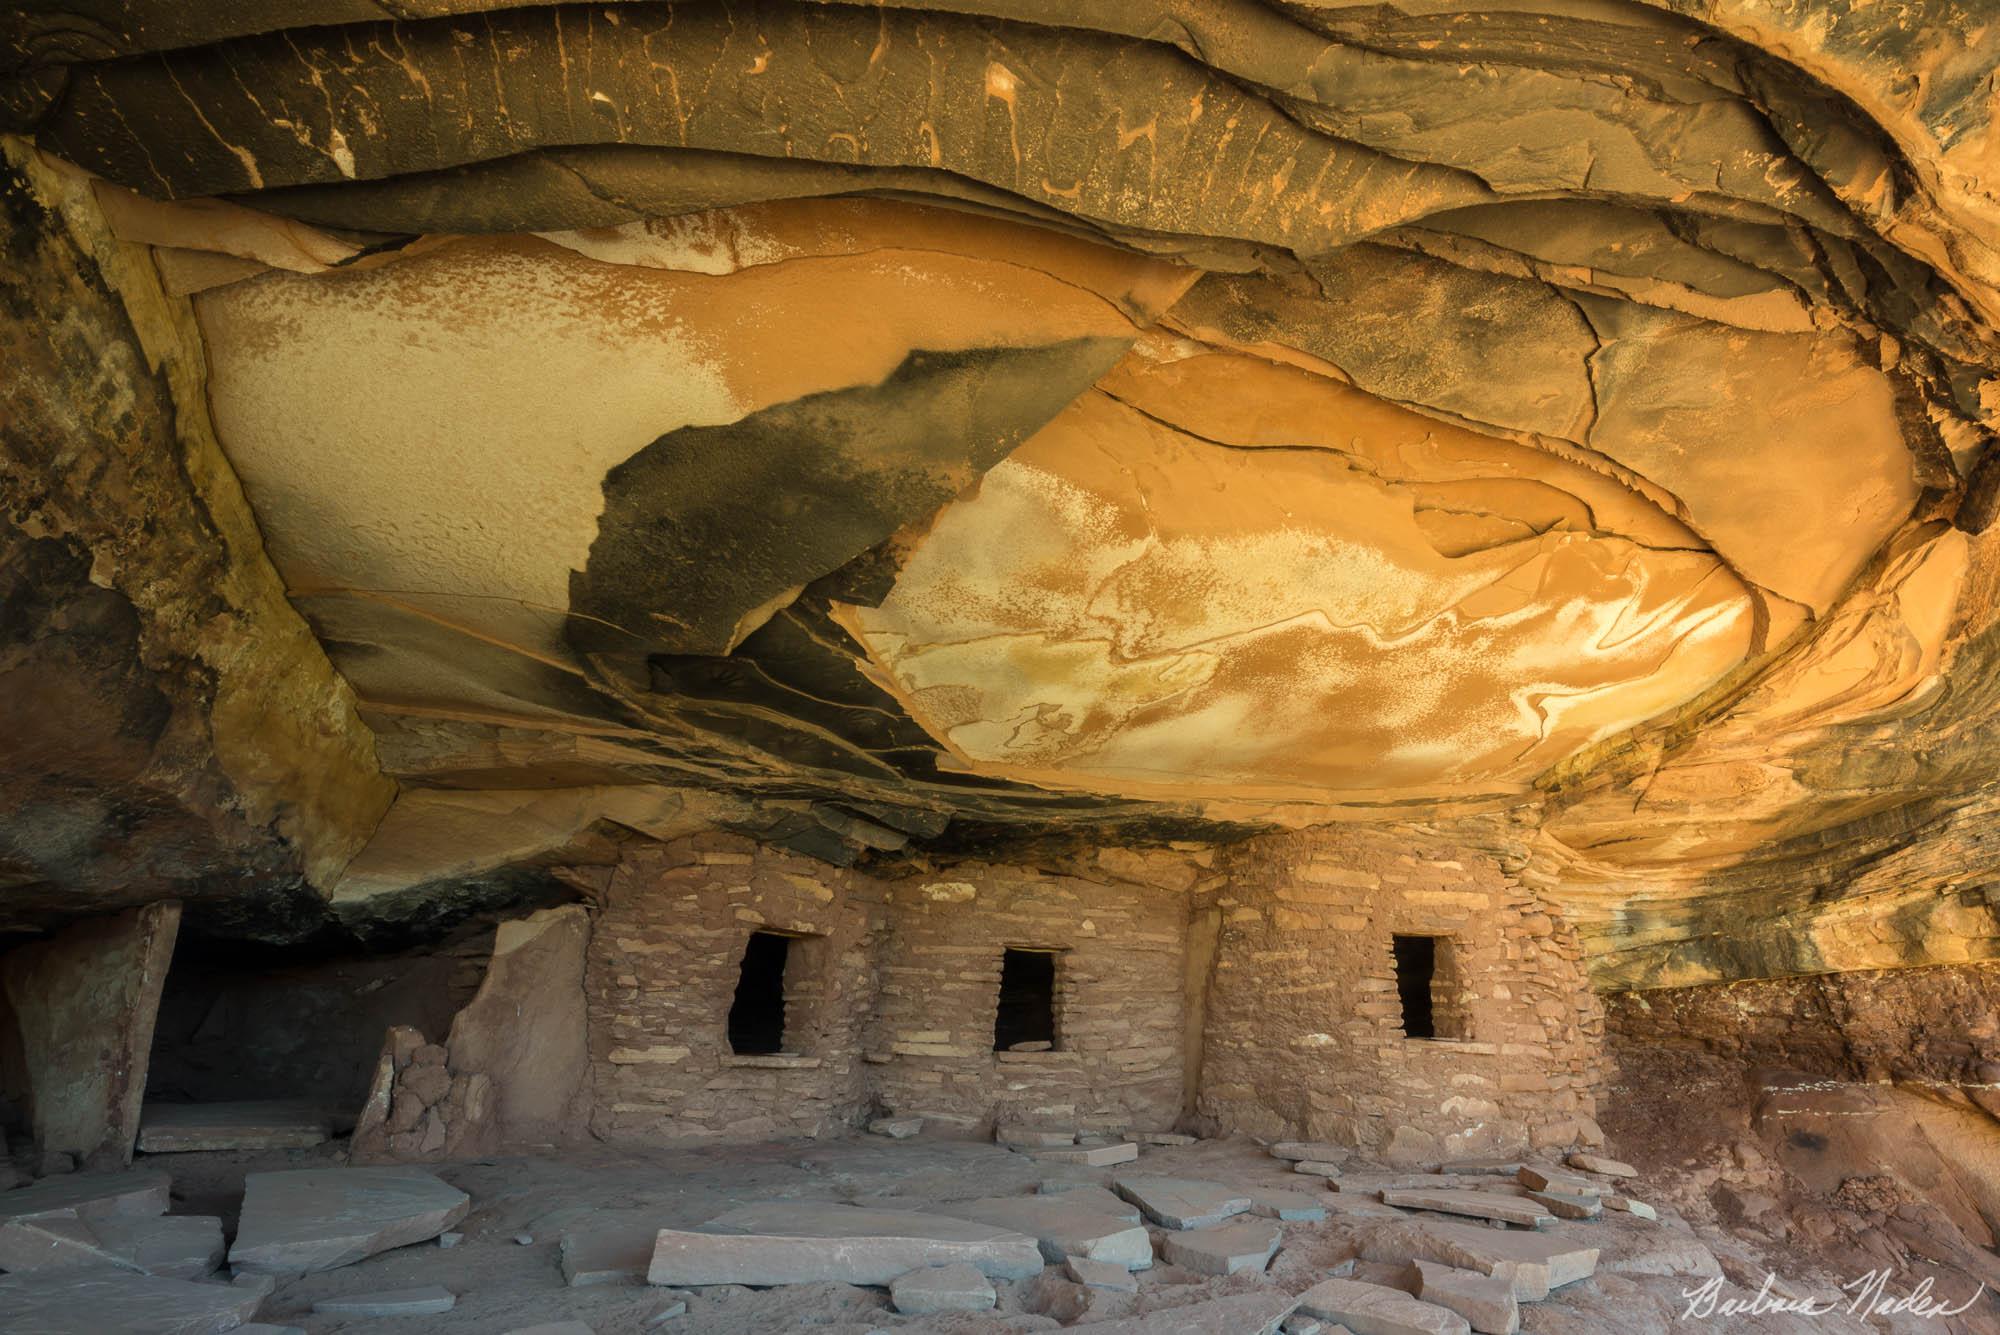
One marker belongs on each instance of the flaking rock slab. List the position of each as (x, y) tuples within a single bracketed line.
[(1533, 1263), (430, 1300), (120, 1302), (1373, 1309), (1063, 1226), (1229, 1249), (801, 1242), (312, 1219), (1181, 1202), (942, 1288)]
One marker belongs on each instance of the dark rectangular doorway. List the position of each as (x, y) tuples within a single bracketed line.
[(757, 1016), (1027, 1011), (1416, 966)]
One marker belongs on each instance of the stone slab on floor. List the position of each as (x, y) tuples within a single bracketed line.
[(1374, 1184), (1487, 1304), (1352, 1205), (1063, 1225), (1372, 1309), (120, 1302), (1314, 1151), (1227, 1249), (1093, 1197), (90, 1195), (1243, 1314), (943, 1288), (1533, 1263), (801, 1242), (1474, 1205), (1181, 1202), (1565, 1206), (171, 1246), (1482, 1167), (1032, 1137), (1597, 1163), (610, 1255), (1291, 1206), (430, 1300), (277, 1124), (310, 1219), (1096, 1156), (896, 1128), (1636, 1208), (1316, 1168), (1101, 1275), (1548, 1179)]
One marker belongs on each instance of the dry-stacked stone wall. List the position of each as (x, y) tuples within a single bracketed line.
[(1305, 1034), (1247, 989), (665, 959), (1119, 947)]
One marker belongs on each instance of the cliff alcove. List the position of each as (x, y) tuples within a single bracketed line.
[(1205, 637)]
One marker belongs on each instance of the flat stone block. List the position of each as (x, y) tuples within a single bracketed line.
[(610, 1255), (1316, 1168), (1311, 1151), (89, 1196), (1097, 1156), (1243, 1314), (281, 1124), (1164, 1138), (1484, 1167), (1181, 1202), (1100, 1275), (1533, 1263), (170, 1246), (1474, 1204), (1546, 1179), (1597, 1163), (1293, 1206), (1093, 1197), (1638, 1209), (804, 1242), (896, 1128), (1487, 1304), (1372, 1309), (1565, 1206), (1032, 1137), (1063, 1226), (431, 1300), (321, 1218), (1350, 1205), (1374, 1184), (1246, 1244), (120, 1302), (945, 1288)]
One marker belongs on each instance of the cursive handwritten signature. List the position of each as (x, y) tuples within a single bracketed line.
[(1868, 1296)]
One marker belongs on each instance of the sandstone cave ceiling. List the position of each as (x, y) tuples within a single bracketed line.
[(917, 428)]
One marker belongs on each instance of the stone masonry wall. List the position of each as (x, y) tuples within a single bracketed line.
[(1304, 1034), (1121, 933), (664, 962)]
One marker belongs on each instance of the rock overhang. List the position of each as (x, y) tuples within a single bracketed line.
[(1038, 422)]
